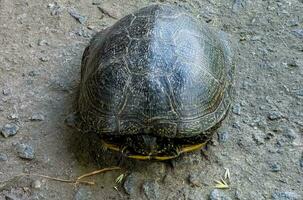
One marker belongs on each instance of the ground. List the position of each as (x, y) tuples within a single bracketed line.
[(260, 143)]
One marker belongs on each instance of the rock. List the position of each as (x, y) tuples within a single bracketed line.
[(44, 58), (274, 115), (6, 92), (223, 136), (10, 129), (237, 109), (33, 73), (285, 196), (289, 133), (129, 183), (293, 22), (13, 116), (299, 92), (55, 8), (96, 2), (3, 157), (83, 194), (236, 125), (298, 33), (258, 137), (293, 63), (75, 14), (36, 184), (37, 117), (25, 151), (275, 167), (151, 190), (218, 195), (42, 42)]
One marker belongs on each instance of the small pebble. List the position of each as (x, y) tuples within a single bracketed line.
[(258, 137), (223, 136), (285, 196), (293, 63), (25, 151), (96, 2), (33, 73), (236, 125), (129, 183), (42, 42), (299, 93), (218, 195), (293, 22), (75, 13), (55, 8), (275, 167), (37, 117), (10, 129), (36, 184), (3, 157), (44, 58), (274, 115), (289, 133), (6, 91), (298, 33), (13, 116), (151, 190), (237, 109)]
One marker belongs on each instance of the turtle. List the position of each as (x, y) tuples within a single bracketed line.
[(156, 84)]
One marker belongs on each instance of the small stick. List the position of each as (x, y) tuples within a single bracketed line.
[(77, 180), (59, 179), (97, 172)]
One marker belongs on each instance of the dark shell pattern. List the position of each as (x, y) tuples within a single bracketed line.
[(157, 71)]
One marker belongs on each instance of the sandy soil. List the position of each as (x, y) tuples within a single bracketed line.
[(260, 143)]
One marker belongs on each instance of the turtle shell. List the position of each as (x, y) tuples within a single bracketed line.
[(157, 79)]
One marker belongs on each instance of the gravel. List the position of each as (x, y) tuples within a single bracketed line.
[(9, 130)]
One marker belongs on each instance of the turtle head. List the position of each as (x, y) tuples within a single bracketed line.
[(149, 143)]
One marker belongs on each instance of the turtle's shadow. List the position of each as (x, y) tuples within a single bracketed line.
[(89, 152)]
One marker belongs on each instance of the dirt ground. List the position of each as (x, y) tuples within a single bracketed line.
[(260, 143)]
